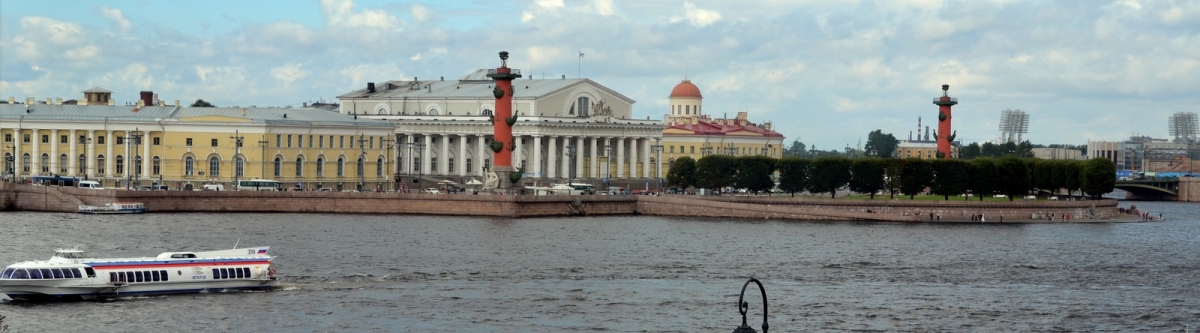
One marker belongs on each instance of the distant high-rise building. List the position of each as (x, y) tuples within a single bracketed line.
[(1183, 126)]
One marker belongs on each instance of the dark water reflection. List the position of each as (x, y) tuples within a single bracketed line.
[(633, 274)]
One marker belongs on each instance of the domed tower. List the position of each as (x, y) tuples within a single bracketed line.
[(685, 101)]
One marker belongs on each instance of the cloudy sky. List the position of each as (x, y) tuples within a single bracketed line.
[(826, 72)]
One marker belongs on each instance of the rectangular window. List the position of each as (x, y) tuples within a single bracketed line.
[(300, 141), (468, 164), (310, 141), (289, 141), (120, 140), (693, 149), (64, 139), (25, 138), (189, 142), (82, 139), (156, 141), (100, 139), (164, 275), (672, 149), (372, 146), (45, 138), (352, 142), (451, 160), (278, 140), (321, 141), (8, 138), (341, 141), (214, 142)]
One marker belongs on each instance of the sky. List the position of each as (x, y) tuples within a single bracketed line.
[(824, 72)]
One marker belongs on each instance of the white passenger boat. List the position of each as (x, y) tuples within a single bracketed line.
[(114, 208), (72, 274)]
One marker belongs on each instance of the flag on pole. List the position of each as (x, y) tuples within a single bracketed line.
[(581, 54)]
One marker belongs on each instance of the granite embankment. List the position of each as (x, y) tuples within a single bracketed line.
[(68, 199)]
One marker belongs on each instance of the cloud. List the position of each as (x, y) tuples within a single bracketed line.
[(604, 7), (697, 17), (420, 13), (550, 4), (341, 14), (117, 18), (289, 73)]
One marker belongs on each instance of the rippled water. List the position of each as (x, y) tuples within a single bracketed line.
[(636, 273)]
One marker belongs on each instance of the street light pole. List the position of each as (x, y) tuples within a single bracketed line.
[(571, 159), (131, 174), (263, 163), (421, 168), (657, 148), (362, 162), (607, 165), (409, 157), (237, 152)]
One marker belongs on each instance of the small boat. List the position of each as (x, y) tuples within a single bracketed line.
[(72, 274), (114, 208)]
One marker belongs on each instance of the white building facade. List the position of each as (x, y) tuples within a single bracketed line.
[(565, 128)]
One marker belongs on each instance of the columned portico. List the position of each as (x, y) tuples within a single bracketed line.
[(444, 155), (36, 158), (461, 162), (633, 157), (480, 154), (595, 161), (73, 156), (108, 154), (551, 157), (537, 157), (425, 158), (620, 143)]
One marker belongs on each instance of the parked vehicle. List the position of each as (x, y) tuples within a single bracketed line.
[(90, 184), (212, 187), (258, 185)]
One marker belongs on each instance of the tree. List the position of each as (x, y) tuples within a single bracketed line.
[(917, 174), (989, 149), (828, 174), (715, 171), (1072, 175), (754, 173), (866, 175), (682, 173), (1024, 149), (984, 178), (1058, 175), (200, 103), (894, 175), (880, 144), (1099, 176), (969, 151), (1043, 175), (950, 177), (797, 149), (793, 174), (1014, 177)]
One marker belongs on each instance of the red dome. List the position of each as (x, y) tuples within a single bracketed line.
[(686, 89)]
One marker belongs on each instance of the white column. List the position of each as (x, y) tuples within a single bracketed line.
[(608, 158), (444, 155), (579, 147), (108, 153), (18, 161), (537, 156), (566, 160), (36, 163), (91, 154), (595, 162), (517, 156), (408, 154), (620, 165), (461, 161), (551, 157), (633, 157), (73, 156), (646, 167), (146, 159), (129, 158), (658, 163), (480, 154), (54, 151), (425, 169)]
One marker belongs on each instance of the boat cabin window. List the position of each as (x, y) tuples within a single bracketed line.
[(70, 254), (90, 272), (7, 273), (183, 255), (58, 274)]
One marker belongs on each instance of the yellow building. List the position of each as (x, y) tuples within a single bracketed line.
[(184, 147), (690, 132), (917, 149)]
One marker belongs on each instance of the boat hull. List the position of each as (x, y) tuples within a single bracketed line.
[(25, 291)]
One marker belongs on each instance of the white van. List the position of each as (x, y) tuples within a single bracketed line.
[(90, 184), (212, 187)]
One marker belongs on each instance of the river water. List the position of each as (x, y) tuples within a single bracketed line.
[(637, 274)]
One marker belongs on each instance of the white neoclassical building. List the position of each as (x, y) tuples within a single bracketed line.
[(566, 128)]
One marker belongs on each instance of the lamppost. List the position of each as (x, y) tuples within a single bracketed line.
[(730, 150), (387, 165), (135, 139), (706, 150), (263, 163), (409, 157), (657, 148), (362, 162), (571, 158), (237, 153), (10, 162), (607, 165)]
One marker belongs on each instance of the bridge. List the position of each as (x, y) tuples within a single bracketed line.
[(1160, 189)]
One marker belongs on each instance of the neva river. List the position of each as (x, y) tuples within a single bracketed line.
[(636, 273)]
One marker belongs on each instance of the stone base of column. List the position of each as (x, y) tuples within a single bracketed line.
[(504, 173)]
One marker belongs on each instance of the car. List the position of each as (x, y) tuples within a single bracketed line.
[(90, 184), (213, 187), (432, 191)]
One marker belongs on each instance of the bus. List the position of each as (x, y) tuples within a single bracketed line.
[(258, 185), (55, 181)]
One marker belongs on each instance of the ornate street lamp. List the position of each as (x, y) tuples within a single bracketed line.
[(571, 158), (657, 149), (743, 306), (607, 165)]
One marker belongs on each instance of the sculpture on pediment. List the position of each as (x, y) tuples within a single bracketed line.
[(599, 109)]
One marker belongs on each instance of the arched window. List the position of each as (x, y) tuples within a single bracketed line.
[(584, 103), (341, 166), (433, 111), (45, 163), (486, 112), (381, 111), (157, 166), (25, 163), (137, 165), (120, 165), (239, 166), (189, 166), (214, 166), (379, 167), (8, 163), (62, 163), (320, 167), (100, 166), (278, 167), (360, 166), (299, 167)]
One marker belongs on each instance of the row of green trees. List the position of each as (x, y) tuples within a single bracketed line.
[(1010, 176)]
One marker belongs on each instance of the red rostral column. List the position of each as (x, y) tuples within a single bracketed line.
[(944, 134), (500, 122)]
